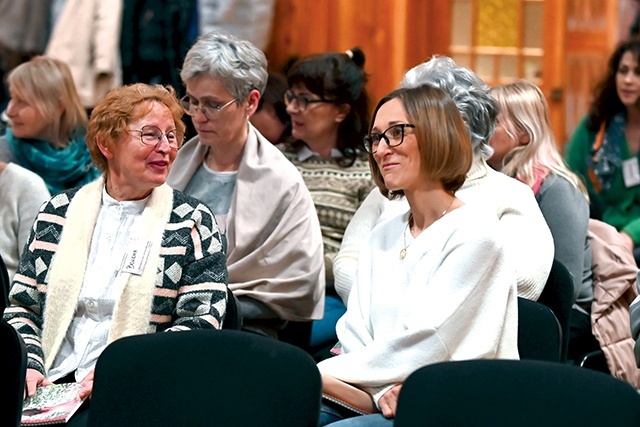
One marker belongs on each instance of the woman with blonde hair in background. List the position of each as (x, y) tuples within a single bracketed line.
[(525, 149), (47, 125)]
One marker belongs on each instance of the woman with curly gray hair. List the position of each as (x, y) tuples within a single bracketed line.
[(265, 213), (530, 241)]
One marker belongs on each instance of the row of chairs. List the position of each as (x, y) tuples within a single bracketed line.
[(227, 360), (234, 378), (541, 337)]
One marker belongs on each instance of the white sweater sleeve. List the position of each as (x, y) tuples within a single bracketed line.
[(355, 236)]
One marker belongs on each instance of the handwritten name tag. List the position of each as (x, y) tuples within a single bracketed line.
[(136, 257)]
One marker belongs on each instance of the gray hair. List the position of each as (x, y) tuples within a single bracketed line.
[(238, 64), (469, 92)]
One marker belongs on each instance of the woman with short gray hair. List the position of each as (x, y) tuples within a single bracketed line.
[(270, 230), (238, 64)]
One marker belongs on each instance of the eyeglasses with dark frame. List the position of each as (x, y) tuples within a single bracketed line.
[(209, 109), (151, 136), (393, 133), (302, 101)]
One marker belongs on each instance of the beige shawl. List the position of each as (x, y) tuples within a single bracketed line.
[(274, 250)]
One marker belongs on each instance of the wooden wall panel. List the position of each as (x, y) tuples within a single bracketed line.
[(399, 34), (395, 35)]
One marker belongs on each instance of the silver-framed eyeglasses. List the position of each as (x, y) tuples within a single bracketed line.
[(393, 136), (152, 136), (302, 101), (208, 108)]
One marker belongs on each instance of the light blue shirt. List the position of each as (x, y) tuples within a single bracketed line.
[(214, 189)]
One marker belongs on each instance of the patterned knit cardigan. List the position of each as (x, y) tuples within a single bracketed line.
[(182, 286)]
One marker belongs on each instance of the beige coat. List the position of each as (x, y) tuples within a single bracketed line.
[(614, 289), (86, 37)]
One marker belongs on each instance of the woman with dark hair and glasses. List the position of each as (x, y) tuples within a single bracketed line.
[(123, 255), (328, 105), (434, 283), (270, 231)]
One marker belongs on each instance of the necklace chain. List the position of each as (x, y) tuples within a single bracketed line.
[(403, 251)]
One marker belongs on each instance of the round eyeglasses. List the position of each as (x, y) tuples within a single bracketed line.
[(393, 136), (209, 109), (302, 102), (152, 136)]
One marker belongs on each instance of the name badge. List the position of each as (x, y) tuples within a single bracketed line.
[(136, 257), (631, 172)]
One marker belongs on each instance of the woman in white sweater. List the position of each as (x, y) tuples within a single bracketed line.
[(434, 282), (22, 192)]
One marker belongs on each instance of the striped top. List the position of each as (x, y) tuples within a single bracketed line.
[(337, 192), (182, 286)]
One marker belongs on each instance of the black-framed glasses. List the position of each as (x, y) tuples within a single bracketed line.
[(209, 109), (393, 136), (152, 136), (302, 101)]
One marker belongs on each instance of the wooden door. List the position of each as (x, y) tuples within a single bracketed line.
[(560, 45), (395, 35)]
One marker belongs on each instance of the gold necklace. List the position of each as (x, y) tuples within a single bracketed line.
[(403, 251)]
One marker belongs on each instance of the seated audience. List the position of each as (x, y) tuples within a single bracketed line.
[(265, 213), (605, 147), (22, 192), (271, 118), (525, 149), (434, 283), (47, 125), (529, 240), (122, 255), (328, 105)]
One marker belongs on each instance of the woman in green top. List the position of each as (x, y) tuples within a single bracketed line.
[(605, 147)]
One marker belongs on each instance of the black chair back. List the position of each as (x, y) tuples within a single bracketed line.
[(523, 393), (232, 317), (5, 283), (12, 375), (558, 296), (204, 377), (539, 334)]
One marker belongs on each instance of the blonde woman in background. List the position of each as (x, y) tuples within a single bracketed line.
[(525, 149), (47, 125)]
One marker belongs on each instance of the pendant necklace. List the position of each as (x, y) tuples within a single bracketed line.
[(403, 251)]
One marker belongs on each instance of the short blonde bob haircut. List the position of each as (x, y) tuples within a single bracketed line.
[(443, 139), (48, 86), (123, 105)]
